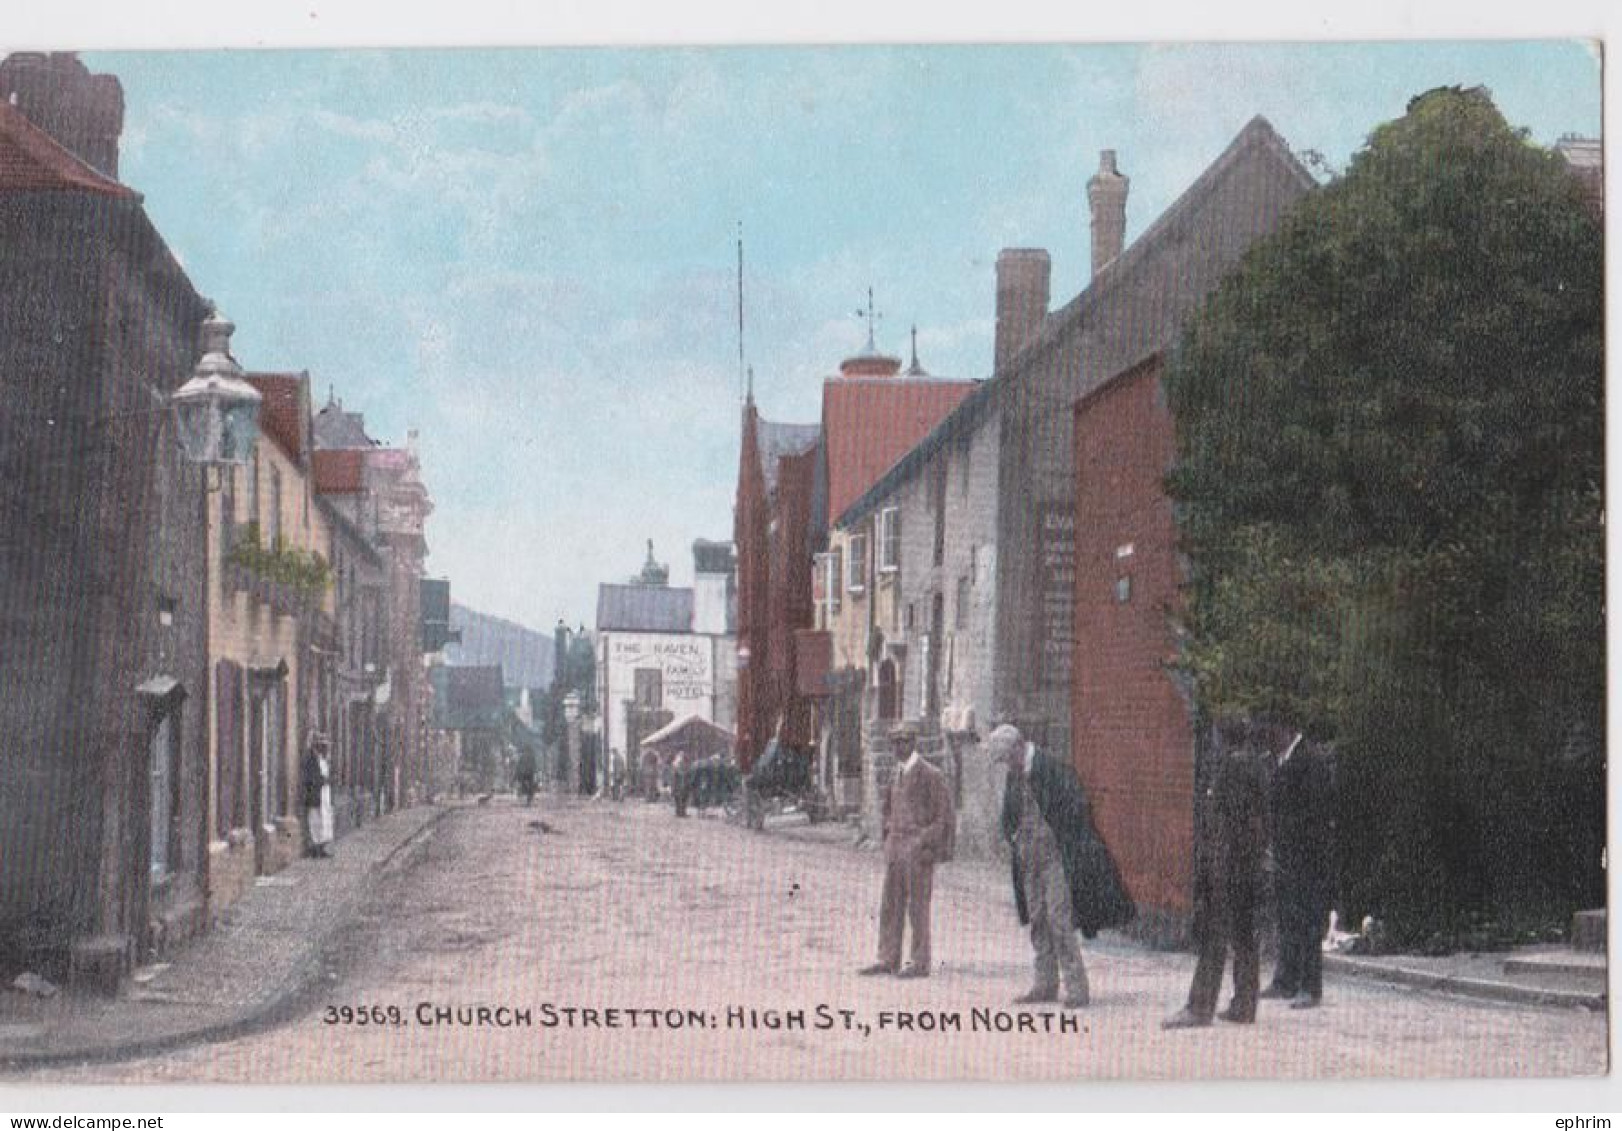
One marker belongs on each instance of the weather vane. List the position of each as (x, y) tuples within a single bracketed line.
[(872, 315)]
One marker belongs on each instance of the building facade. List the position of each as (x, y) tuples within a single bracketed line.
[(271, 636), (666, 653), (103, 775)]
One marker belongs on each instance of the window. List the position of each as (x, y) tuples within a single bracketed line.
[(961, 611), (275, 507), (164, 754), (937, 500), (253, 493), (856, 567), (833, 566), (889, 540), (650, 688), (228, 512)]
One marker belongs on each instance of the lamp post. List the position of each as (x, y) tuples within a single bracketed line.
[(217, 411)]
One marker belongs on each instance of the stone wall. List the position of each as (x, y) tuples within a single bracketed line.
[(100, 567)]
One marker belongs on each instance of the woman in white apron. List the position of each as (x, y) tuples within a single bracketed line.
[(317, 776)]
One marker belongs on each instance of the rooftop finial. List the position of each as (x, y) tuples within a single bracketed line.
[(915, 370)]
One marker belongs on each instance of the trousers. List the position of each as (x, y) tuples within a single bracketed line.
[(909, 884), (1228, 923), (1053, 932), (1302, 922)]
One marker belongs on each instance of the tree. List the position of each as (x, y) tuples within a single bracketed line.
[(1389, 484)]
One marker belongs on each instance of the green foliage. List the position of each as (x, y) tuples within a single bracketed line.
[(1390, 464), (303, 570)]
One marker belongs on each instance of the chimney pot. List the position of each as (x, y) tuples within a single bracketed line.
[(1024, 276), (1106, 195)]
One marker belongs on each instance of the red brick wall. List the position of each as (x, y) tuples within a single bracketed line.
[(1133, 741)]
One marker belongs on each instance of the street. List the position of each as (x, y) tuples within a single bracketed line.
[(595, 941)]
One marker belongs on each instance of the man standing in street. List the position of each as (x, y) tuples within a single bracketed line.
[(1064, 878), (919, 828), (1303, 854), (1230, 838)]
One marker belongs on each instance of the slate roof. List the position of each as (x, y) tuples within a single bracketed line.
[(1120, 272), (776, 440), (335, 428), (870, 422), (644, 608), (32, 159)]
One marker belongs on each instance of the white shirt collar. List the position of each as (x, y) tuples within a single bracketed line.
[(1290, 749)]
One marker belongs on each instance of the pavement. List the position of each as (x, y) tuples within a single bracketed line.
[(254, 969), (1543, 975), (266, 961)]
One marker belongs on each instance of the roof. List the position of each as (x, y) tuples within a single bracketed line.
[(284, 413), (335, 428), (644, 608), (1120, 272), (870, 422), (775, 440), (468, 698), (340, 471), (689, 726), (31, 159)]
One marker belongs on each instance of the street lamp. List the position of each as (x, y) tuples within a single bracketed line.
[(217, 411)]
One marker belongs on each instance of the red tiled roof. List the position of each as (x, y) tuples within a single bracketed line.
[(339, 471), (282, 416), (30, 158), (869, 423)]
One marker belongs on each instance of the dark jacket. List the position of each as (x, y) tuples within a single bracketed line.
[(314, 779), (1098, 899), (1303, 811)]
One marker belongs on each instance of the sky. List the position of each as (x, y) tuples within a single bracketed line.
[(530, 257)]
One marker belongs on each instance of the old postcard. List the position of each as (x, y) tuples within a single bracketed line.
[(944, 563)]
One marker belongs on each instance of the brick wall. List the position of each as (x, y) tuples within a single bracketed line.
[(1133, 742)]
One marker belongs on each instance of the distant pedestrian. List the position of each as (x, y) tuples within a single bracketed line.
[(1303, 809), (317, 791), (679, 783), (1230, 839), (524, 775), (1064, 878), (919, 828), (650, 776)]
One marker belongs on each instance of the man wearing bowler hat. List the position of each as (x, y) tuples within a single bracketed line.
[(919, 827)]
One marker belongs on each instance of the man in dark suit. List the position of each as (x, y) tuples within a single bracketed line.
[(1303, 810), (1230, 839), (919, 828), (1064, 878)]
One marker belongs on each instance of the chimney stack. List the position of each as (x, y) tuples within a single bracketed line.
[(83, 112), (1106, 193), (1023, 278)]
